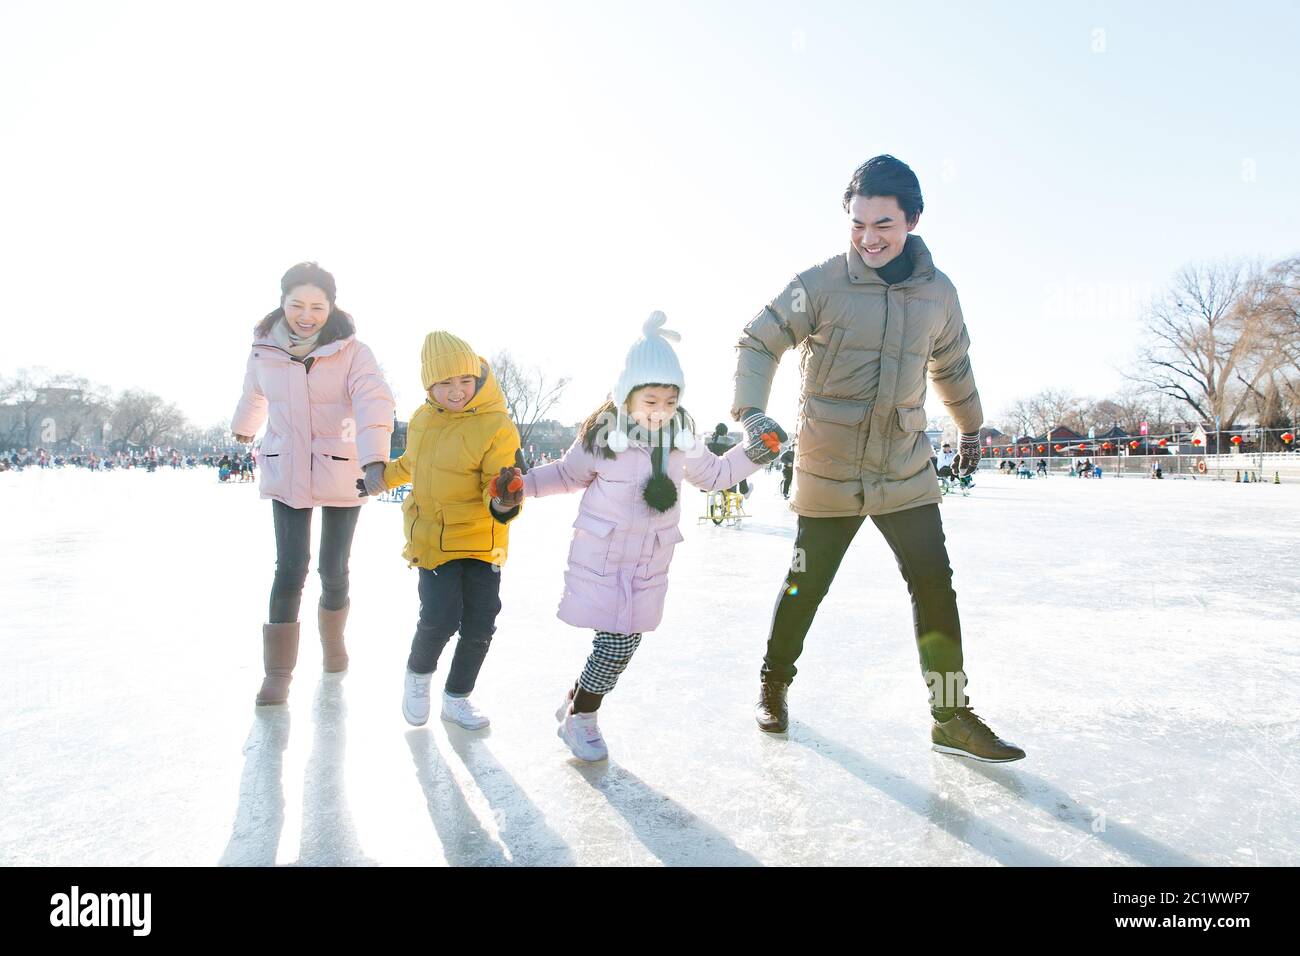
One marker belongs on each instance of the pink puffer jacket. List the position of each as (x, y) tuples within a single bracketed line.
[(325, 423), (617, 576)]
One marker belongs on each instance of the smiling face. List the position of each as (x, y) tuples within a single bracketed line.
[(878, 228), (652, 405), (454, 394), (306, 309)]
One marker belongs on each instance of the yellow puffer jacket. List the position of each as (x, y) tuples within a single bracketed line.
[(450, 458)]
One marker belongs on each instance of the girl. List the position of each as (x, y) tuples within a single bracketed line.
[(629, 460), (331, 415)]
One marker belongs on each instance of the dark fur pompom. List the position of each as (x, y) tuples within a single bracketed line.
[(660, 493)]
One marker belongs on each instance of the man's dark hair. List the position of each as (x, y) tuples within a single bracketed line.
[(886, 176)]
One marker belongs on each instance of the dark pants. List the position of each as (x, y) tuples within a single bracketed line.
[(916, 538), (461, 595), (787, 475), (293, 558)]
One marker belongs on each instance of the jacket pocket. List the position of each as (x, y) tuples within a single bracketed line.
[(911, 419), (831, 434), (334, 469), (410, 515), (592, 538), (467, 527), (661, 554)]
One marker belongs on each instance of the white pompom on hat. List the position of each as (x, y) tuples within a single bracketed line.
[(650, 361)]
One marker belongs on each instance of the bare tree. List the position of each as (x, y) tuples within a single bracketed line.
[(143, 418), (43, 408), (1203, 331), (1052, 407), (1021, 417), (529, 392)]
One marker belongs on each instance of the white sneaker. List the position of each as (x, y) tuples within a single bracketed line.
[(460, 711), (582, 735), (415, 701)]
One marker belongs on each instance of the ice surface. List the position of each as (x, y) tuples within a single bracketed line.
[(1137, 638)]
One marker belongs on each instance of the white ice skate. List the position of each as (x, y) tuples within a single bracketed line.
[(415, 700), (459, 710), (582, 734)]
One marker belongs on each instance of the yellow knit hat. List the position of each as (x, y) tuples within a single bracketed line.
[(445, 356)]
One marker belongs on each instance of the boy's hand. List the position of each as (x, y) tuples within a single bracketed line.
[(507, 488), (763, 437), (373, 483)]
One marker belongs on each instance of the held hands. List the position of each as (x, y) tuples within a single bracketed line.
[(373, 483), (763, 436), (507, 489), (968, 455)]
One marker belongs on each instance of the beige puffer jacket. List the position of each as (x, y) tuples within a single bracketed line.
[(865, 349)]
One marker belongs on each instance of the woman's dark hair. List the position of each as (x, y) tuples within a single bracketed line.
[(886, 176), (606, 417), (339, 324)]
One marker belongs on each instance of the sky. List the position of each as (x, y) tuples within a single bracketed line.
[(539, 177)]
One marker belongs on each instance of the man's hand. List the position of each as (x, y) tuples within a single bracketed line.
[(968, 455), (373, 483), (507, 489), (763, 437)]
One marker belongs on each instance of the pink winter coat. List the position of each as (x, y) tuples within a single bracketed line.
[(617, 576), (326, 423)]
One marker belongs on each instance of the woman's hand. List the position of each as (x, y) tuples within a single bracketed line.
[(244, 439), (373, 484)]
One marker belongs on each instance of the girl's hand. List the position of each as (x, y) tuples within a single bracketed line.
[(507, 488)]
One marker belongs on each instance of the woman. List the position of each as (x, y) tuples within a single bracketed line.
[(331, 417)]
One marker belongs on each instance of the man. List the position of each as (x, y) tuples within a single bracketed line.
[(947, 468), (870, 323)]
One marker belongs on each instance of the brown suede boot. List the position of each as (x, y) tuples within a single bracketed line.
[(279, 654), (331, 638)]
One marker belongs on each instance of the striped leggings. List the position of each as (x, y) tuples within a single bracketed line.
[(609, 655)]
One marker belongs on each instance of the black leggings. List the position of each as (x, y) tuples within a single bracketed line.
[(293, 558)]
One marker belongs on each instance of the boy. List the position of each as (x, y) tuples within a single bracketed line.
[(460, 448)]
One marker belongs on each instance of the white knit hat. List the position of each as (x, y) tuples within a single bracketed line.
[(651, 360)]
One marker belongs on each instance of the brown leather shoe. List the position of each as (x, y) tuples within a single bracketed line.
[(331, 638), (279, 655), (968, 736)]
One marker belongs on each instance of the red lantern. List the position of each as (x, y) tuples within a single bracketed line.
[(1164, 442), (1106, 446), (1042, 448), (1057, 447), (1236, 439), (1288, 437), (1196, 441), (1082, 447), (1024, 449)]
